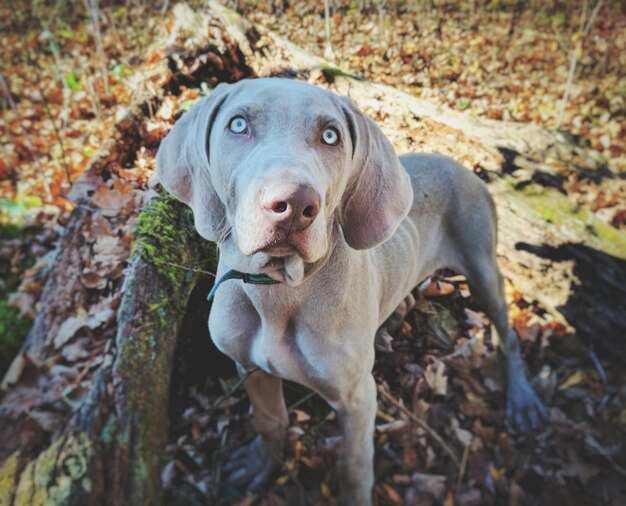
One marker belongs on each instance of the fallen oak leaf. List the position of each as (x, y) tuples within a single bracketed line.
[(24, 302), (69, 328), (464, 436), (99, 314), (93, 280), (83, 187), (435, 378), (113, 200), (476, 319), (109, 249), (431, 484), (573, 380)]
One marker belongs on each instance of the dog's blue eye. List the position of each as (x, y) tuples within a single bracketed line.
[(238, 125), (330, 136)]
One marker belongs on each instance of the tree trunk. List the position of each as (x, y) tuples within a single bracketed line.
[(110, 450)]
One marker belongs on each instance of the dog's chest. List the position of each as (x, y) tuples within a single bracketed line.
[(276, 348), (276, 342)]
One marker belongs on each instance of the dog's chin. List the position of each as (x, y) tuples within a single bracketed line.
[(283, 262), (293, 272)]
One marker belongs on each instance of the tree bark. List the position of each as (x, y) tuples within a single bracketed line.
[(110, 451)]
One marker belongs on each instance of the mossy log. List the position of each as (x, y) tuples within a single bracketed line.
[(110, 451), (566, 258)]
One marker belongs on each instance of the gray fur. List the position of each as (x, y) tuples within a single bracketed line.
[(385, 223)]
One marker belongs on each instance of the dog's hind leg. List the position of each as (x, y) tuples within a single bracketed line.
[(524, 408)]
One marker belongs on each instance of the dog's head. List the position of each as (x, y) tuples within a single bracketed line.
[(275, 164)]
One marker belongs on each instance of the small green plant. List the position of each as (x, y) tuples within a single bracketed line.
[(13, 330), (13, 327), (12, 210)]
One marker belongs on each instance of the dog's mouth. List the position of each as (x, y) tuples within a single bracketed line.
[(284, 245), (279, 250), (288, 268), (282, 255)]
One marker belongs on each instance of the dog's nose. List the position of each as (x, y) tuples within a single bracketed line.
[(294, 208)]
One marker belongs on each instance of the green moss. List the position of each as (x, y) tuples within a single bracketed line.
[(161, 236), (12, 210), (157, 236), (59, 474), (558, 209), (13, 330), (8, 475), (9, 231), (167, 250), (577, 223)]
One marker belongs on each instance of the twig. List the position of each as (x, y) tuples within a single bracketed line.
[(92, 7), (54, 48), (328, 52), (32, 61), (464, 458), (301, 401), (93, 95), (230, 391), (294, 477), (192, 269), (46, 108), (574, 62), (431, 432), (66, 168)]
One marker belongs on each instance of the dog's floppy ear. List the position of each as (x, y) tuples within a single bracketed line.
[(378, 194), (183, 164)]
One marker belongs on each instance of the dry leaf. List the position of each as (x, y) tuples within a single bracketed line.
[(69, 327), (24, 302), (431, 484), (436, 379), (14, 372)]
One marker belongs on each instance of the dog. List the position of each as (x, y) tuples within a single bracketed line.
[(304, 194)]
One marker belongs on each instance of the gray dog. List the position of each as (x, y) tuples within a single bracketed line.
[(305, 195)]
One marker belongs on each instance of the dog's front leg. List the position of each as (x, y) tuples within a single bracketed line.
[(253, 464), (357, 411)]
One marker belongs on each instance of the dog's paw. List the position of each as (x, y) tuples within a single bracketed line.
[(524, 409), (252, 465)]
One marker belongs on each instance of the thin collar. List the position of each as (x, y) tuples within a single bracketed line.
[(253, 279)]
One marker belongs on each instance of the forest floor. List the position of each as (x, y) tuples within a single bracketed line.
[(65, 84)]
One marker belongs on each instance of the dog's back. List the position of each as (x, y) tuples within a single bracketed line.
[(452, 216)]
